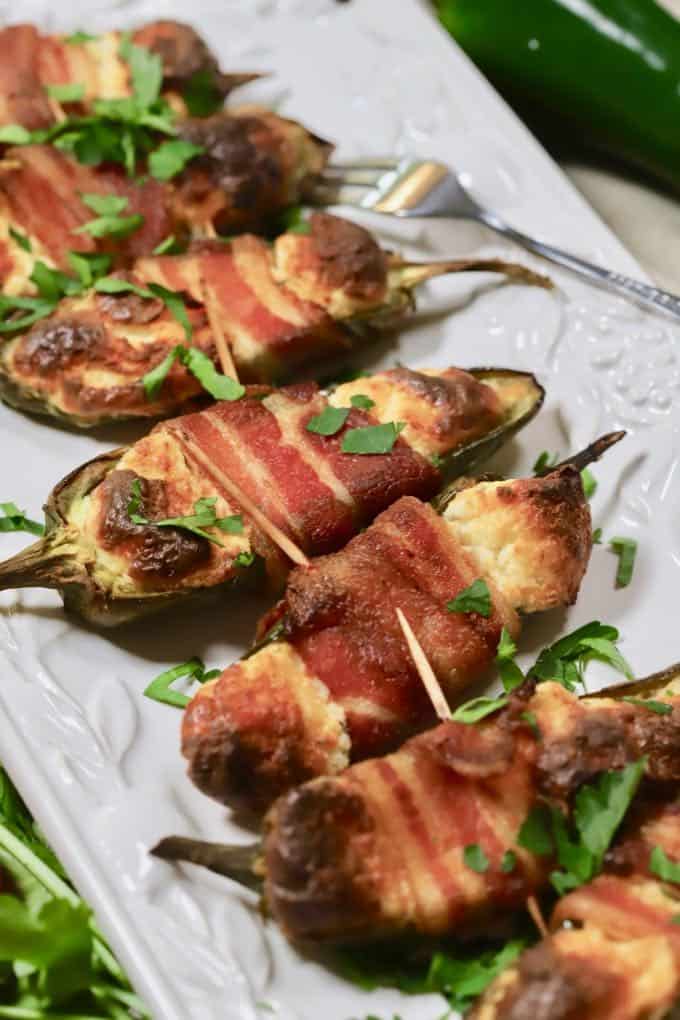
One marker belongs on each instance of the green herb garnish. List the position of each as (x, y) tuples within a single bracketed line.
[(476, 598), (244, 559), (478, 708), (662, 866), (370, 439), (14, 519), (626, 550), (20, 239), (329, 421), (510, 673), (565, 660), (171, 157), (509, 862), (168, 246), (597, 536), (109, 222), (201, 94), (161, 688), (658, 707), (70, 92), (361, 401), (219, 386), (76, 38), (589, 482), (203, 517), (475, 858), (544, 461)]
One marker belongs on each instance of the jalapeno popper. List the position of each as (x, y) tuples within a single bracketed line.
[(338, 683), (249, 166), (380, 851), (288, 451), (614, 945), (35, 66), (308, 297)]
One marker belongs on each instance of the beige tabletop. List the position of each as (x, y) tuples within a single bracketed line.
[(647, 221)]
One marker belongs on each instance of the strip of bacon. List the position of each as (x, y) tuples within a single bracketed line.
[(339, 620), (379, 850)]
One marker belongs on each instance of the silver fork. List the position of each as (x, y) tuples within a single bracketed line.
[(409, 188)]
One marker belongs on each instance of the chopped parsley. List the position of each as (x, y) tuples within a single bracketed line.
[(203, 517), (89, 267), (475, 858), (371, 439), (510, 673), (171, 157), (361, 401), (580, 847), (509, 862), (244, 559), (168, 246), (626, 550), (76, 38), (589, 482), (294, 221), (161, 688), (171, 299), (659, 707), (71, 92), (109, 222), (478, 708), (221, 387), (597, 536), (124, 130), (662, 866), (544, 461), (532, 722), (201, 94), (565, 660), (20, 239), (476, 598), (329, 421), (14, 519)]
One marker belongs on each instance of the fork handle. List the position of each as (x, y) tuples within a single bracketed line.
[(642, 292)]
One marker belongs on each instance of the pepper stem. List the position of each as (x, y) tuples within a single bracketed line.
[(37, 566), (236, 862), (411, 274)]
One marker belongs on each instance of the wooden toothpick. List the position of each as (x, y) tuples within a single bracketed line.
[(56, 109), (223, 349), (424, 668), (536, 916), (287, 546)]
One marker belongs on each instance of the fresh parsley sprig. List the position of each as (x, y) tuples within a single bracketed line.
[(203, 517), (59, 962), (663, 867), (580, 845), (626, 550), (221, 387), (565, 660), (161, 688), (109, 222), (14, 519), (372, 439), (476, 598)]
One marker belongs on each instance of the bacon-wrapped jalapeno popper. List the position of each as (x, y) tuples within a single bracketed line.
[(253, 165), (379, 851), (614, 948), (279, 307), (32, 62), (339, 684), (110, 568)]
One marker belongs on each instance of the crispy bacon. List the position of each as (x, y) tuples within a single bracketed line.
[(347, 648), (379, 850), (87, 360), (30, 61), (619, 957)]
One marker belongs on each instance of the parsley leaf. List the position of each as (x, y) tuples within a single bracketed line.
[(370, 439), (659, 707), (462, 979), (544, 461), (76, 38), (535, 833), (509, 862), (294, 221), (221, 387), (661, 865), (109, 222), (20, 239), (161, 688), (475, 858), (203, 517), (201, 94), (175, 305), (14, 519), (565, 660), (626, 549), (15, 134), (171, 157), (510, 673), (478, 708), (362, 401), (168, 246), (589, 482), (476, 598), (329, 421), (244, 559), (146, 71), (71, 92), (89, 267)]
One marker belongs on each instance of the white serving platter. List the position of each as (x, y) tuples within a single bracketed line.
[(99, 764)]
